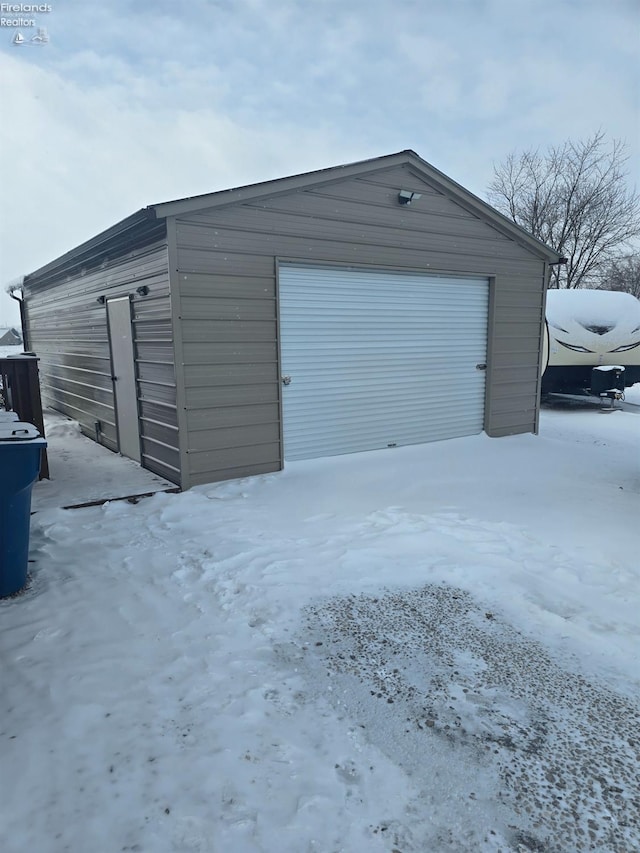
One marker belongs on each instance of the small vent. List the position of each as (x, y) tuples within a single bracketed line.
[(597, 330)]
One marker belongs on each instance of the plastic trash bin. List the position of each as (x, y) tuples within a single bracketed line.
[(20, 448)]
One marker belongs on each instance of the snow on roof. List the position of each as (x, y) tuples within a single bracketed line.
[(604, 307)]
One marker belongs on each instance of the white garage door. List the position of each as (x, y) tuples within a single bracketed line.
[(378, 359)]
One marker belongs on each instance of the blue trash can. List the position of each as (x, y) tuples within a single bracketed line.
[(20, 448)]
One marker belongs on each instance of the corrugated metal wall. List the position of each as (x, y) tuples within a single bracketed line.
[(226, 263), (67, 328)]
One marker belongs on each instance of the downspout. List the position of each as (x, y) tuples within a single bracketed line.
[(11, 291)]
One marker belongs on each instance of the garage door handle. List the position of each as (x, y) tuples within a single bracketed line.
[(286, 380), (481, 366)]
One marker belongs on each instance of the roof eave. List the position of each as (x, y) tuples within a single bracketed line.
[(123, 230), (253, 192), (502, 222)]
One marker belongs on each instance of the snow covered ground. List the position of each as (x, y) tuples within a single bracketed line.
[(428, 649), (83, 472)]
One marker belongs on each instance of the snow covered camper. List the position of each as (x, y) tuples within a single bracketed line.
[(591, 330)]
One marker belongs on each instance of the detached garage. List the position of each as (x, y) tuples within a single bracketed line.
[(367, 306)]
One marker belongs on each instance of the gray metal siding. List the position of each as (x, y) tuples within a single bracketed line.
[(230, 373), (226, 260), (68, 331)]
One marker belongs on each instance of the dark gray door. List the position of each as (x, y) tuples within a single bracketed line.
[(124, 376)]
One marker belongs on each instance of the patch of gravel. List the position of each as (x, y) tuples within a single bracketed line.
[(456, 695)]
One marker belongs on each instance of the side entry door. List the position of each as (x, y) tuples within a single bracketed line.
[(124, 376)]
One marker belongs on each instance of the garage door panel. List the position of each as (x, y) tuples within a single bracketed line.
[(359, 440), (342, 391), (382, 355), (394, 317), (394, 426), (384, 359), (332, 409), (379, 359)]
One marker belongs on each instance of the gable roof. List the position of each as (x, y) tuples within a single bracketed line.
[(408, 157), (150, 220), (10, 330)]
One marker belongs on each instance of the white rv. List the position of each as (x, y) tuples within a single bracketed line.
[(590, 329)]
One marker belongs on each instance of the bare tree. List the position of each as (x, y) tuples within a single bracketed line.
[(622, 274), (575, 198)]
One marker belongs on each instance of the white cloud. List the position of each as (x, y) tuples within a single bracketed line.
[(90, 159)]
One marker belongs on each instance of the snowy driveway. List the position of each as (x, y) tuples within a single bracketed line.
[(427, 649), (509, 750)]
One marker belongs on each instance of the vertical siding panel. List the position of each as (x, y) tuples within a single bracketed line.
[(491, 374), (178, 347), (541, 364)]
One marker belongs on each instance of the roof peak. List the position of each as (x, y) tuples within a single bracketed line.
[(355, 164)]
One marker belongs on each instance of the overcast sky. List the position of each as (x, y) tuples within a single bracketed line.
[(133, 102)]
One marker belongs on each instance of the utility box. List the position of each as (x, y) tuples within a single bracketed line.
[(21, 447), (21, 393)]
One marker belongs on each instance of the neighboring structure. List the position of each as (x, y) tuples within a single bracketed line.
[(587, 330), (359, 307), (10, 337)]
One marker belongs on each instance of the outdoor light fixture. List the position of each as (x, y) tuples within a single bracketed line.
[(101, 299), (406, 196), (561, 262), (142, 290)]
